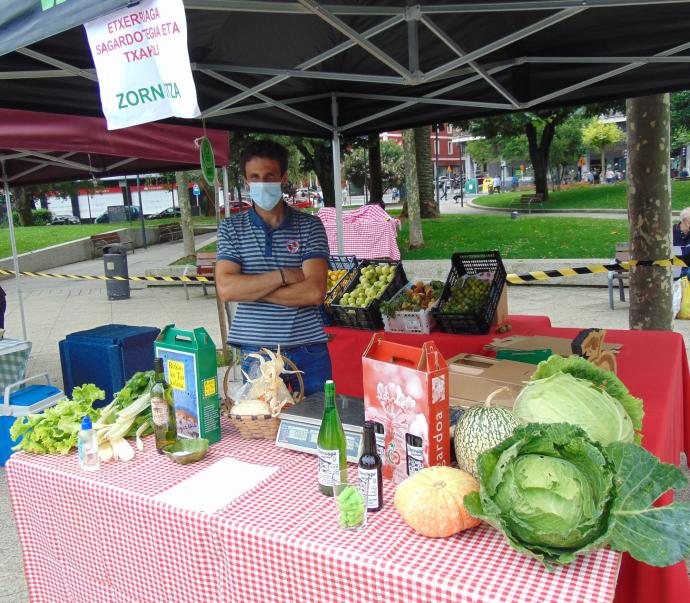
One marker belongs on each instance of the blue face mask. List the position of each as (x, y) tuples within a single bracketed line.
[(265, 194)]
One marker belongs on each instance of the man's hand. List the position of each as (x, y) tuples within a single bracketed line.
[(310, 291), (293, 275)]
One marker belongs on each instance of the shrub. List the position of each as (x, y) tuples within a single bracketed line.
[(41, 217)]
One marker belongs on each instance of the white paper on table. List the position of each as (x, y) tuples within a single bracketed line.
[(216, 486)]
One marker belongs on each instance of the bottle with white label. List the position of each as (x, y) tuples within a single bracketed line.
[(331, 444), (415, 453), (369, 470), (380, 435), (87, 446)]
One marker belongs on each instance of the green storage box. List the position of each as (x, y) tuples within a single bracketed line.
[(189, 360)]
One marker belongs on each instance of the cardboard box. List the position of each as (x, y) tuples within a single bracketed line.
[(471, 378), (189, 361), (406, 392), (502, 309), (558, 345)]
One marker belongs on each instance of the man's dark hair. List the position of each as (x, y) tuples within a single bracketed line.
[(267, 149)]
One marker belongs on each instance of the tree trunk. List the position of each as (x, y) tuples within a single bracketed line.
[(185, 213), (539, 155), (412, 187), (321, 162), (602, 173), (23, 204), (209, 196), (649, 211), (376, 182), (425, 172)]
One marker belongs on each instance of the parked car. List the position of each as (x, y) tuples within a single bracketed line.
[(64, 219), (236, 206), (131, 213), (168, 212)]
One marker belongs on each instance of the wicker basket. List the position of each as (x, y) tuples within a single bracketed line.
[(258, 426)]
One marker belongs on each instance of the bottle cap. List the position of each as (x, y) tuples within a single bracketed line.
[(86, 422), (329, 388), (370, 426)]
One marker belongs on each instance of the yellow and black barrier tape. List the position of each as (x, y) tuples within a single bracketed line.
[(93, 277), (513, 279)]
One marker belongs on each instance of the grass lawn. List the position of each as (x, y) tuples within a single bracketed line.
[(527, 237), (30, 238), (602, 196)]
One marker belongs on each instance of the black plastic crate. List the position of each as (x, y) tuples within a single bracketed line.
[(337, 262), (472, 262), (368, 318)]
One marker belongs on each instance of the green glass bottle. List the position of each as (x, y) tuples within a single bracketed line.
[(331, 444), (162, 408)]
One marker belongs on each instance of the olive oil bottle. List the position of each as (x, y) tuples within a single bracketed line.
[(162, 408)]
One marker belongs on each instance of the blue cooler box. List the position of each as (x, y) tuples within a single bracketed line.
[(106, 356)]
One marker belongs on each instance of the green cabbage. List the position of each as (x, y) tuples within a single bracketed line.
[(555, 494), (562, 398), (605, 380)]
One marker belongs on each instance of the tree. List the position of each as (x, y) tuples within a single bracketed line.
[(375, 175), (649, 211), (425, 172), (566, 147), (416, 237), (598, 135), (355, 165), (318, 158), (182, 181), (539, 128)]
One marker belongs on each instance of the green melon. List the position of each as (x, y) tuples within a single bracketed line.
[(480, 428)]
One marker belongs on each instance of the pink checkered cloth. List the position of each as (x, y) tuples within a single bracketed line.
[(369, 232), (101, 537)]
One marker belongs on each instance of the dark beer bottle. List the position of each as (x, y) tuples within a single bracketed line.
[(415, 453), (369, 469)]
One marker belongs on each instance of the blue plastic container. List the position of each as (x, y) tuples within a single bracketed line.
[(106, 356)]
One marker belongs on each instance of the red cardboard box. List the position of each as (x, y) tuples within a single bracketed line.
[(406, 392)]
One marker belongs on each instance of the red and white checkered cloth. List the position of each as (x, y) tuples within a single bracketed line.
[(102, 537), (368, 232)]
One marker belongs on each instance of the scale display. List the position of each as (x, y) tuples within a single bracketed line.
[(299, 424)]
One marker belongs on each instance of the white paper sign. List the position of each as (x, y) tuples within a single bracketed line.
[(216, 486), (142, 63)]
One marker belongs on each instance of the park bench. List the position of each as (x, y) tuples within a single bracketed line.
[(109, 239), (530, 199), (169, 232), (205, 266)]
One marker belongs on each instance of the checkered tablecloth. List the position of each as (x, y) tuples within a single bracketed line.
[(368, 232), (101, 537), (14, 356)]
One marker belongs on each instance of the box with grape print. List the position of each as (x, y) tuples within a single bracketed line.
[(471, 294)]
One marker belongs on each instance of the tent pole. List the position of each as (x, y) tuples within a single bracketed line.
[(141, 215), (13, 244), (226, 192), (336, 176)]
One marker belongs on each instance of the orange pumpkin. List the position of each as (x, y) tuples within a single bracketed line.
[(430, 501)]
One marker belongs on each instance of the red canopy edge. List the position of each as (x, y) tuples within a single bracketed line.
[(51, 132)]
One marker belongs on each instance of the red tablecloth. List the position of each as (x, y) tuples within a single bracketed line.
[(652, 364), (103, 537)]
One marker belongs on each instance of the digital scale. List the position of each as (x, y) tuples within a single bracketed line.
[(300, 424)]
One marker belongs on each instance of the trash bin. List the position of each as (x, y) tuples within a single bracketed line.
[(106, 356), (115, 264)]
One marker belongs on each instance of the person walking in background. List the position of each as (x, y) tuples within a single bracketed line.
[(681, 231)]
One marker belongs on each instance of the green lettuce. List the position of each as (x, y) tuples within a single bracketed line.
[(555, 494), (605, 380)]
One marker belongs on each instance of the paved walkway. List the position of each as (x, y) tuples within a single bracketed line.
[(55, 308)]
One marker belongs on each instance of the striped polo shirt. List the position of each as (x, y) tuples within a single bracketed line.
[(248, 241)]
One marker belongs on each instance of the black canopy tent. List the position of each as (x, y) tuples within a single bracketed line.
[(321, 69)]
